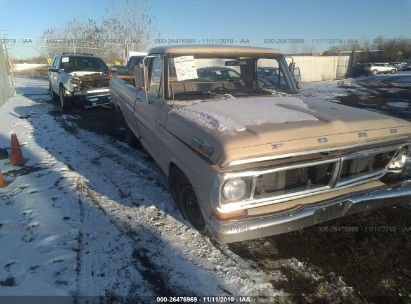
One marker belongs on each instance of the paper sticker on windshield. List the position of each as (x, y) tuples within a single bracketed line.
[(185, 68), (64, 59)]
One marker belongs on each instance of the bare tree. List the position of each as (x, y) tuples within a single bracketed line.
[(130, 22), (127, 26), (379, 50), (75, 36)]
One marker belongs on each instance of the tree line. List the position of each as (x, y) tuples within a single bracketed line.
[(379, 49)]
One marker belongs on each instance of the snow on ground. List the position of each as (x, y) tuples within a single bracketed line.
[(398, 104), (333, 89), (87, 215), (31, 86), (27, 66), (328, 90)]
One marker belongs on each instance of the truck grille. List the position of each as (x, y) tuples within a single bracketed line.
[(358, 167), (306, 178), (92, 81), (293, 180)]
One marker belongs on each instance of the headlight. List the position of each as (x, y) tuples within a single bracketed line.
[(399, 160), (234, 189)]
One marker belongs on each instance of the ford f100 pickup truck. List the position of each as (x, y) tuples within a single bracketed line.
[(247, 157)]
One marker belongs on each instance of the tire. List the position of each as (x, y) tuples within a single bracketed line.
[(393, 71), (65, 102), (3, 153), (130, 138), (53, 95), (186, 199), (374, 72)]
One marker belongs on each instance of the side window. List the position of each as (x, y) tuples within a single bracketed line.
[(56, 63), (156, 77), (270, 75)]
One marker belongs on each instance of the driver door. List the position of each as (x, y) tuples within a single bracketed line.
[(147, 111)]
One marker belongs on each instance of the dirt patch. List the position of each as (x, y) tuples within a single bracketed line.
[(23, 171), (371, 253), (8, 282), (101, 121), (381, 97)]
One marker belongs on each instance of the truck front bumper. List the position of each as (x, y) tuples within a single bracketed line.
[(94, 98), (228, 231)]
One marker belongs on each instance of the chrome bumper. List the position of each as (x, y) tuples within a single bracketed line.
[(93, 98), (228, 231)]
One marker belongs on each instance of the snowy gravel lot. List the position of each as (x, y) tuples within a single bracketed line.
[(89, 216)]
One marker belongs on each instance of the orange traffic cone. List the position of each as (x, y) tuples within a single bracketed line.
[(2, 181), (16, 157)]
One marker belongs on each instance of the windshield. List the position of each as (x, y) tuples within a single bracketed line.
[(207, 76), (77, 63)]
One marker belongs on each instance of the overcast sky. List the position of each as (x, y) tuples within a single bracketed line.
[(254, 21)]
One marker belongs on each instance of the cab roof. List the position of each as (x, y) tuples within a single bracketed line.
[(212, 49)]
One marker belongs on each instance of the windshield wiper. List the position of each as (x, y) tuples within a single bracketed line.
[(196, 93)]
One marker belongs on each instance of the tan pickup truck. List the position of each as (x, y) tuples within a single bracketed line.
[(245, 156)]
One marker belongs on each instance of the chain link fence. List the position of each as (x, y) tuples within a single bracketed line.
[(6, 89)]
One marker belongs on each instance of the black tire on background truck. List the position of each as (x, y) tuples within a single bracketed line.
[(186, 199), (65, 102), (130, 138), (53, 95)]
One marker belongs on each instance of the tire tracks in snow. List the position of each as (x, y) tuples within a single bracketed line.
[(155, 237)]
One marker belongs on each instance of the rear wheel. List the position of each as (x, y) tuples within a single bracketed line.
[(186, 199), (374, 72), (65, 102), (393, 71)]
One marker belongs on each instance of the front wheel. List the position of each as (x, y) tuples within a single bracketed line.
[(374, 72), (53, 95), (393, 71), (65, 102), (186, 199)]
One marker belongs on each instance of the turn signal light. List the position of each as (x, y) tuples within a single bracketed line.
[(229, 215)]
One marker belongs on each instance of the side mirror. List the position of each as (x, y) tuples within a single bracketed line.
[(139, 77), (53, 70)]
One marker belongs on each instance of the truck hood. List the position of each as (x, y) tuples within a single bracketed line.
[(238, 128)]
